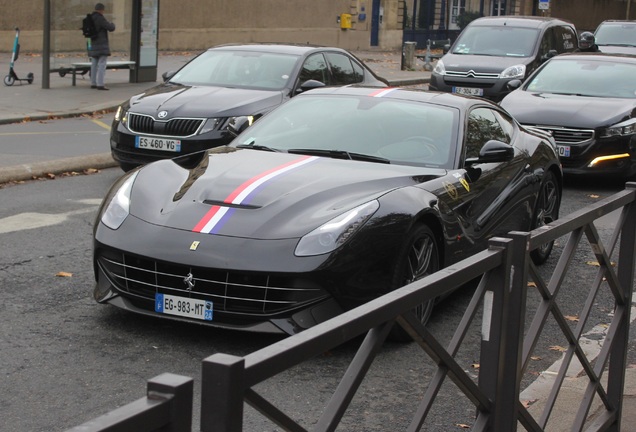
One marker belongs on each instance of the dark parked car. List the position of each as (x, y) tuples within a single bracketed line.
[(190, 111), (616, 36), (336, 197), (492, 51), (588, 103)]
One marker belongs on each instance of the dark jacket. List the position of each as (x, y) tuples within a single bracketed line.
[(99, 45)]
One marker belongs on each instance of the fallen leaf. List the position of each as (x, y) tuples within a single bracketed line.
[(532, 284), (536, 358), (527, 403), (594, 196), (91, 171), (475, 365), (571, 318), (557, 348), (64, 274), (462, 426), (50, 176)]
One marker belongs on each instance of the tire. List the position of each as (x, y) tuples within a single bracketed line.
[(30, 78), (546, 210), (418, 258), (62, 73), (9, 80)]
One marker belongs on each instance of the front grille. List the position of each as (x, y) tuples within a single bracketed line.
[(472, 74), (176, 127), (568, 136), (235, 292)]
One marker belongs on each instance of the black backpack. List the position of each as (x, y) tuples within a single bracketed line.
[(88, 27)]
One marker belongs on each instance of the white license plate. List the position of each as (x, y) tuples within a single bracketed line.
[(564, 151), (162, 144), (471, 91), (183, 306)]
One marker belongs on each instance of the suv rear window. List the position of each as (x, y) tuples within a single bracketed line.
[(497, 41)]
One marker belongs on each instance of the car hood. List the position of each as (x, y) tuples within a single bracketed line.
[(259, 194), (481, 63), (204, 101), (568, 111)]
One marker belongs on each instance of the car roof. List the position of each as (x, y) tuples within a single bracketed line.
[(520, 21), (296, 49), (438, 98), (618, 22), (610, 57)]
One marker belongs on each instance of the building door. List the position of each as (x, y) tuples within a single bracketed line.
[(375, 23)]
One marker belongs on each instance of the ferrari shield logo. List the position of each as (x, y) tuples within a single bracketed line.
[(194, 245)]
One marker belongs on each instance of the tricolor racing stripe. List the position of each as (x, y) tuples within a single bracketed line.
[(383, 92), (214, 219)]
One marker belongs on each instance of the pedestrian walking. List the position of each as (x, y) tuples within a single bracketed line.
[(99, 48)]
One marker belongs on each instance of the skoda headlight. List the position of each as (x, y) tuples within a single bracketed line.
[(119, 206), (620, 129), (439, 69), (336, 232), (209, 125), (516, 71)]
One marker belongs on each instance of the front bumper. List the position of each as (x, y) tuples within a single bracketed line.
[(493, 88)]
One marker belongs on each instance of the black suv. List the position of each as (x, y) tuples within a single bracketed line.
[(492, 51)]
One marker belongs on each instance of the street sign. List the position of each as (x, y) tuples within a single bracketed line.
[(544, 4)]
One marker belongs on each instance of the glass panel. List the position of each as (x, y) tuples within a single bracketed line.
[(67, 43), (149, 31)]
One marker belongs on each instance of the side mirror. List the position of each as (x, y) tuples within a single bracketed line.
[(493, 152), (446, 49), (309, 85), (514, 84), (238, 125), (549, 55), (167, 75)]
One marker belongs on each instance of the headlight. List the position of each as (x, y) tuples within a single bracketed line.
[(119, 206), (439, 69), (516, 71), (118, 113), (621, 129), (209, 125), (336, 232)]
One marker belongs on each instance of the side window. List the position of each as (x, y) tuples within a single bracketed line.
[(566, 39), (341, 69), (314, 68), (547, 42), (484, 125)]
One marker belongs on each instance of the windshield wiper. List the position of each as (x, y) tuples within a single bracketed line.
[(340, 154), (257, 147)]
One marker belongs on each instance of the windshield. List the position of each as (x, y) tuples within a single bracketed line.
[(500, 41), (244, 69), (396, 131), (585, 78), (616, 34)]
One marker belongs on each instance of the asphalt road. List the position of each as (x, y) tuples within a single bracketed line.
[(66, 359)]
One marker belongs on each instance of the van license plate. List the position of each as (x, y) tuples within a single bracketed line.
[(471, 91)]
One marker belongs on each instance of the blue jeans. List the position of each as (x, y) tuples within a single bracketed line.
[(98, 70)]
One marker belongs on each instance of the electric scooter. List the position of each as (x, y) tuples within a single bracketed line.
[(12, 77)]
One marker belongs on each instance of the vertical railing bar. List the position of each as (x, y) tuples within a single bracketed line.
[(545, 305), (616, 369), (222, 393), (469, 315), (494, 341), (270, 411), (353, 377)]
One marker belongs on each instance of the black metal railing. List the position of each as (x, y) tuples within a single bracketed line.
[(507, 274)]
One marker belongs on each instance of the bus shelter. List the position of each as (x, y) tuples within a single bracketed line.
[(134, 43)]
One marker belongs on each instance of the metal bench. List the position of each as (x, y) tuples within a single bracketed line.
[(84, 67)]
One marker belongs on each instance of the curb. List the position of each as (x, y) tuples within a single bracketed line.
[(38, 169)]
